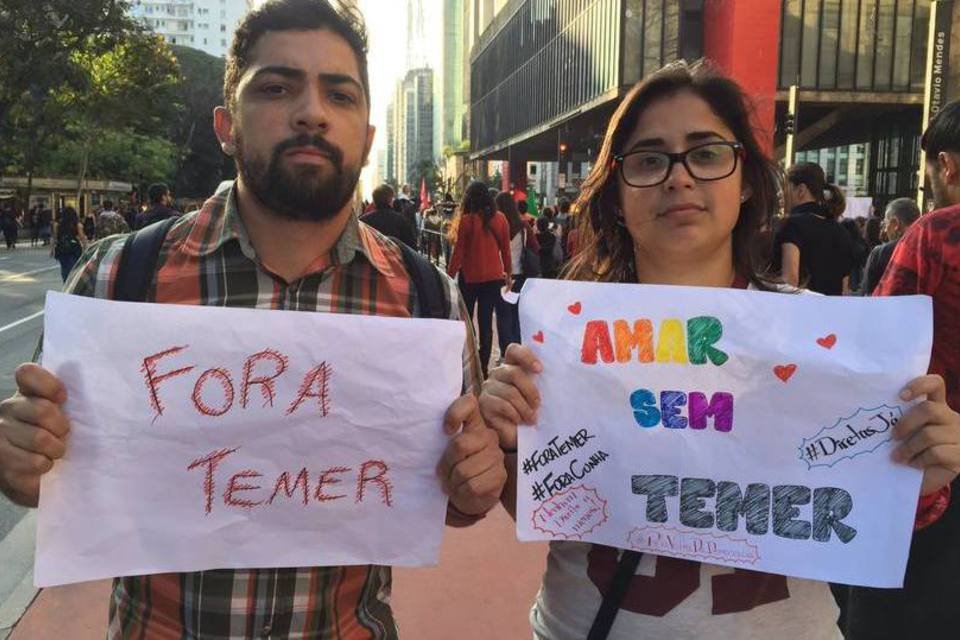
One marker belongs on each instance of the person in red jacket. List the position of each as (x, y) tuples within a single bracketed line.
[(482, 256)]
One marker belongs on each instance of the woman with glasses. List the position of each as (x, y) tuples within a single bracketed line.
[(680, 191)]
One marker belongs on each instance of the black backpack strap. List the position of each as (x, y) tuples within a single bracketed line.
[(428, 282), (138, 261), (626, 568)]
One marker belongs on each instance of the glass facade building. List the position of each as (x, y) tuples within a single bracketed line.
[(546, 70), (541, 61), (854, 45)]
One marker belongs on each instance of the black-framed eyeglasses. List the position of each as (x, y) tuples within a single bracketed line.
[(705, 162)]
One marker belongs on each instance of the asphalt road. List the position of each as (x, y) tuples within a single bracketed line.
[(25, 276)]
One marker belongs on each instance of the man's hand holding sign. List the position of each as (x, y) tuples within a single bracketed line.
[(326, 448), (725, 426)]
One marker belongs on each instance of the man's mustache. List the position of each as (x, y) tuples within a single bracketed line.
[(316, 141)]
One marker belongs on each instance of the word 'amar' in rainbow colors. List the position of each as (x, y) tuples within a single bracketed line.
[(696, 346)]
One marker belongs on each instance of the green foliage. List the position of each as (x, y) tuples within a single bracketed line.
[(40, 38), (133, 84), (83, 91), (118, 155), (201, 164)]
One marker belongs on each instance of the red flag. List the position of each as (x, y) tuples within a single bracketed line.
[(424, 195)]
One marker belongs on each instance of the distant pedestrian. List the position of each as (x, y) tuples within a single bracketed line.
[(33, 224), (109, 222), (69, 240), (387, 221), (551, 253), (811, 248), (46, 225), (160, 209), (521, 239), (90, 225), (900, 214), (10, 227), (404, 205), (482, 258), (860, 249)]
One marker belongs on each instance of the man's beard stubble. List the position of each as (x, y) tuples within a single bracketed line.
[(307, 192)]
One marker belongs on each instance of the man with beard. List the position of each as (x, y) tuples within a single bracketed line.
[(284, 236), (160, 208), (927, 261)]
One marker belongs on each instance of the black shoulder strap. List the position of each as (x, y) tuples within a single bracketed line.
[(138, 261), (428, 282), (626, 568)]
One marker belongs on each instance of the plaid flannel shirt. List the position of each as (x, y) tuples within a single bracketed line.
[(207, 259)]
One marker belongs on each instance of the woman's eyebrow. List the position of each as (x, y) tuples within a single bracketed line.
[(703, 135), (693, 136)]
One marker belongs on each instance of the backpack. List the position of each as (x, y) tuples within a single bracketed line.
[(141, 249)]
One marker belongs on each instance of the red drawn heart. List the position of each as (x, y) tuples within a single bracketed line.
[(538, 337), (827, 342), (784, 371), (575, 308)]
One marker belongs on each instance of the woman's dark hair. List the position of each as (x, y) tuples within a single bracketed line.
[(871, 232), (67, 226), (477, 200), (943, 132), (606, 248), (850, 226), (828, 196), (508, 207)]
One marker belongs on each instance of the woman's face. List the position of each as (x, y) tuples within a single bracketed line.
[(682, 214)]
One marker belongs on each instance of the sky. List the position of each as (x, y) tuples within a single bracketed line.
[(387, 29)]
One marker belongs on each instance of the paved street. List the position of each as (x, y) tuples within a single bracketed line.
[(482, 589), (25, 276)]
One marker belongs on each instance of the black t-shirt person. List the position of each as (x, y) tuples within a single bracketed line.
[(826, 251)]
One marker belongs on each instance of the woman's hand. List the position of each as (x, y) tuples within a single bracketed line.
[(930, 432), (510, 396)]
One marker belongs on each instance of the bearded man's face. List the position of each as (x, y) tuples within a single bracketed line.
[(300, 124)]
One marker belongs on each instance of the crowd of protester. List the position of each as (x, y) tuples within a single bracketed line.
[(66, 233)]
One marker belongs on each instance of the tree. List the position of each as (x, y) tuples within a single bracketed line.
[(428, 169), (40, 38), (73, 71), (201, 165), (119, 155), (129, 86)]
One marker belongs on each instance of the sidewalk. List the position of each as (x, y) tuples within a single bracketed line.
[(482, 589)]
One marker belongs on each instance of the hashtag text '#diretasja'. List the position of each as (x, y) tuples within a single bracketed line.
[(556, 449)]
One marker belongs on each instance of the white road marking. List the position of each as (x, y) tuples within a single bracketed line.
[(19, 322), (15, 276)]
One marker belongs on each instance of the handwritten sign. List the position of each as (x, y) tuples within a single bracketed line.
[(235, 438), (740, 428)]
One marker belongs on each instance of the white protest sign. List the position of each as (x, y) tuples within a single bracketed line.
[(738, 428), (209, 438)]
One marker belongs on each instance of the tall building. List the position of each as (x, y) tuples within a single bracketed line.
[(207, 25), (546, 76), (412, 125), (389, 173), (417, 41), (450, 102)]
